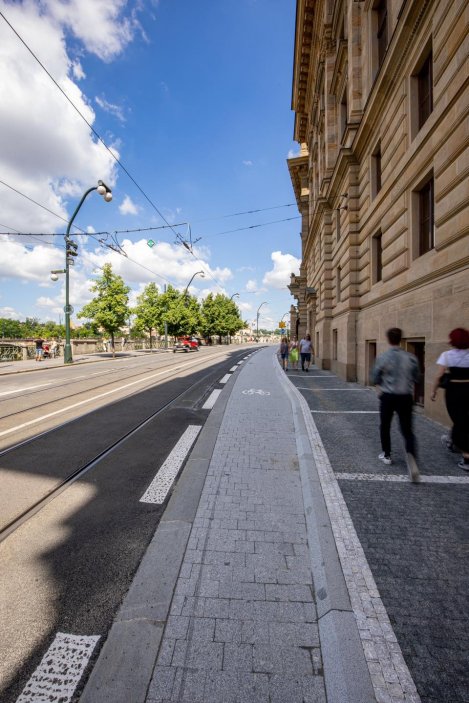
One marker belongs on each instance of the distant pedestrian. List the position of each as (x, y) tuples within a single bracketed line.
[(395, 372), (306, 349), (284, 353), (294, 354), (453, 366), (54, 348), (39, 349)]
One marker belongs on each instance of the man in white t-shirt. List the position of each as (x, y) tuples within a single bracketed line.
[(455, 362), (306, 349)]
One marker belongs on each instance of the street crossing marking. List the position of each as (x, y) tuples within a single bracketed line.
[(225, 378), (164, 479), (343, 476), (61, 668), (212, 399)]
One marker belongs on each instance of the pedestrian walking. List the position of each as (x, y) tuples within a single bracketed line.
[(39, 349), (453, 376), (54, 348), (294, 354), (306, 349), (395, 372), (284, 353)]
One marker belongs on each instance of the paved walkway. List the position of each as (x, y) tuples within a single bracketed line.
[(257, 585)]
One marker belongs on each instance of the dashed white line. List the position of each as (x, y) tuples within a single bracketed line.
[(225, 378), (159, 487), (212, 399), (60, 670), (315, 390), (233, 368)]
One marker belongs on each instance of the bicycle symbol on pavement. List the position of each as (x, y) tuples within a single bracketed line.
[(255, 391)]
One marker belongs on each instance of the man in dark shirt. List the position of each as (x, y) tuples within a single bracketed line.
[(39, 349), (395, 372)]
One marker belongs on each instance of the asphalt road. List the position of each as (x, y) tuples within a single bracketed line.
[(67, 567)]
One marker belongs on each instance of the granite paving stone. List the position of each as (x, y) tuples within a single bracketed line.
[(243, 623)]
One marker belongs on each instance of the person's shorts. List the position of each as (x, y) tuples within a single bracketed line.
[(284, 356), (39, 352), (307, 356)]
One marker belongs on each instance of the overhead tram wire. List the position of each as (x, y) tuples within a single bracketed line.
[(97, 135)]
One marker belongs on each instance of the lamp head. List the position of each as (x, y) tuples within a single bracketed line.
[(101, 189), (108, 196), (54, 277)]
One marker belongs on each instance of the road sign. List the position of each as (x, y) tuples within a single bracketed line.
[(68, 309), (282, 324), (150, 243)]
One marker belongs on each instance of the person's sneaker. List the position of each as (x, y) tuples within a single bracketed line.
[(385, 459), (463, 464), (412, 468), (446, 442)]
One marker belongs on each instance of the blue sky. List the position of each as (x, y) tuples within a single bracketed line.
[(194, 100)]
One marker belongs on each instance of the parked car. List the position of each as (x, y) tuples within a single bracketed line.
[(186, 344)]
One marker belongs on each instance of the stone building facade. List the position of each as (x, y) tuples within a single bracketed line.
[(381, 102)]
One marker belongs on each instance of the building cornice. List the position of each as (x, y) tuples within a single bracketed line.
[(301, 65)]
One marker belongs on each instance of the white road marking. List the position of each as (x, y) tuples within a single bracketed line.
[(27, 388), (340, 412), (89, 400), (240, 362), (233, 368), (344, 476), (60, 670), (382, 652), (159, 487), (255, 391), (225, 378), (211, 400)]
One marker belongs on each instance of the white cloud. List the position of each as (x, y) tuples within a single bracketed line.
[(284, 265), (46, 158), (247, 163), (10, 313), (31, 264), (128, 207), (245, 307), (251, 286), (99, 24), (114, 110)]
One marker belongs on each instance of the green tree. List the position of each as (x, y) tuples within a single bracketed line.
[(149, 310), (220, 316), (109, 309), (180, 311)]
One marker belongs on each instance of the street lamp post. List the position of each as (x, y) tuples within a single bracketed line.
[(257, 320), (234, 296), (70, 252), (197, 273)]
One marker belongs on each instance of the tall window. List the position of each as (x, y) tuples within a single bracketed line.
[(343, 114), (425, 90), (338, 283), (376, 171), (426, 217), (381, 10), (377, 258), (334, 344)]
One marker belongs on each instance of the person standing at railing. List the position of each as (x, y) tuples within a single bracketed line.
[(39, 349)]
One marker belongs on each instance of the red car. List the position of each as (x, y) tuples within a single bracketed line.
[(186, 344)]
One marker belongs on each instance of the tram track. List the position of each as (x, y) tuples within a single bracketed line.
[(70, 395), (201, 387)]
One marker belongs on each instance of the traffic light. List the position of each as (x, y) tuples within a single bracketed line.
[(70, 251)]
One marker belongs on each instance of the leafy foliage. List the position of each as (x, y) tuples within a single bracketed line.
[(110, 308), (220, 316)]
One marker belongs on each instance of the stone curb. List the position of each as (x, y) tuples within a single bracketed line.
[(346, 674), (125, 664)]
